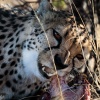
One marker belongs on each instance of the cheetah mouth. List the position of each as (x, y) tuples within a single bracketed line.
[(46, 71), (49, 71)]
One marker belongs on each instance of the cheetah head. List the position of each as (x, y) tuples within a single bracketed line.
[(60, 61)]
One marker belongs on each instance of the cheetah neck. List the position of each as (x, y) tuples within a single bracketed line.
[(30, 59)]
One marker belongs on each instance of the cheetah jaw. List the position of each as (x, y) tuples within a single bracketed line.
[(49, 71)]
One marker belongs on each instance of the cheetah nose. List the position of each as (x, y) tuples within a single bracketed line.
[(58, 63)]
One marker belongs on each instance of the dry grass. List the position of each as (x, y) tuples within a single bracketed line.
[(8, 4)]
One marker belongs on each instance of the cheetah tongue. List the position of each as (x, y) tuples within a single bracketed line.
[(49, 71)]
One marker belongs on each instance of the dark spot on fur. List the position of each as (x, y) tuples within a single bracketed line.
[(10, 51), (42, 32), (6, 14), (17, 33), (22, 92), (3, 65), (30, 42), (1, 57), (15, 81), (4, 30), (15, 65), (8, 84), (11, 72), (20, 18), (15, 71), (10, 34), (6, 72), (24, 46), (11, 39), (1, 82), (12, 19), (84, 40), (8, 25), (35, 84), (1, 27), (35, 30), (36, 34), (15, 54), (13, 89), (12, 63), (19, 77), (24, 19), (15, 29), (18, 59), (19, 54), (40, 82), (5, 44), (3, 21), (13, 22), (31, 39), (11, 45), (9, 59), (1, 76), (22, 29), (15, 26), (18, 45), (21, 25), (36, 87), (2, 36), (17, 40), (28, 86)]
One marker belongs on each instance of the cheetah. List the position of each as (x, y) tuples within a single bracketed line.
[(33, 45), (22, 39), (79, 45)]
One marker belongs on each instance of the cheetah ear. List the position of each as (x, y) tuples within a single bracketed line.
[(44, 7)]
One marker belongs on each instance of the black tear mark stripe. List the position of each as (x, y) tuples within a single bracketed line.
[(58, 38)]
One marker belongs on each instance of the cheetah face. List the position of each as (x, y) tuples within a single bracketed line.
[(49, 60), (69, 56)]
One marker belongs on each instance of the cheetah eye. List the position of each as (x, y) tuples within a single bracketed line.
[(79, 56), (57, 35)]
